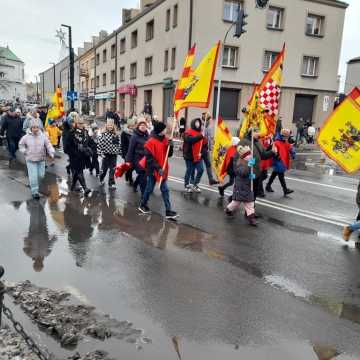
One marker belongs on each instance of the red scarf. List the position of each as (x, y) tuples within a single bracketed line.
[(158, 149), (284, 148), (197, 147), (230, 153)]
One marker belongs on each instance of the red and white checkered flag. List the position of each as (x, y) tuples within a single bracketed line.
[(269, 97)]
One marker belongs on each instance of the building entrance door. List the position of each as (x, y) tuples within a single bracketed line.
[(168, 103), (304, 108)]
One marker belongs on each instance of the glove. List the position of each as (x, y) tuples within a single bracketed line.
[(161, 172), (252, 176), (251, 162)]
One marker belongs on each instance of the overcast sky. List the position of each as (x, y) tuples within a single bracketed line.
[(29, 27)]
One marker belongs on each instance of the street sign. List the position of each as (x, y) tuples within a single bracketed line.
[(72, 95)]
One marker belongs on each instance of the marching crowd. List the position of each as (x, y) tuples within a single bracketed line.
[(145, 146)]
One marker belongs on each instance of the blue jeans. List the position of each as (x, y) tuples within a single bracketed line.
[(36, 172), (13, 146), (150, 185), (191, 167), (355, 226)]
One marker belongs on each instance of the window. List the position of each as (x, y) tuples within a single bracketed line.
[(148, 66), (112, 77), (231, 10), (166, 60), (92, 83), (104, 79), (122, 45), (122, 74), (173, 58), (175, 15), (113, 51), (314, 25), (230, 56), (168, 18), (150, 30), (104, 55), (92, 63), (310, 66), (97, 59), (2, 74), (134, 39), (83, 85), (275, 18), (133, 70), (97, 81), (269, 59), (147, 97)]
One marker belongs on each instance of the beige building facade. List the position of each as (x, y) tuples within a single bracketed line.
[(352, 74), (141, 61)]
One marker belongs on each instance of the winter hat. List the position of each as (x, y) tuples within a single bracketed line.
[(51, 122), (110, 121), (159, 127), (243, 151), (140, 121), (235, 141), (34, 123)]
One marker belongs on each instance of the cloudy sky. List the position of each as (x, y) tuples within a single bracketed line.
[(29, 27)]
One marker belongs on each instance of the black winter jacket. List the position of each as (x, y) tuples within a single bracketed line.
[(13, 125), (136, 148)]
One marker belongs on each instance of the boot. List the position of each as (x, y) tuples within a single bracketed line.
[(213, 182), (288, 192), (82, 181), (229, 213), (269, 188), (73, 184), (221, 191), (347, 233), (251, 219)]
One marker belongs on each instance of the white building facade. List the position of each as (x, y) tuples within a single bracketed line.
[(352, 74), (12, 77)]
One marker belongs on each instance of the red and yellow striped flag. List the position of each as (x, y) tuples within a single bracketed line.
[(184, 81)]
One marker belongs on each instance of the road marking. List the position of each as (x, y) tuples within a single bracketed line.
[(309, 153), (321, 184), (266, 203)]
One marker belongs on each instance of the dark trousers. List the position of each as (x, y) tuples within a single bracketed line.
[(256, 187), (13, 146), (150, 185), (264, 175), (229, 183), (95, 164), (281, 177), (108, 164), (140, 180), (208, 166), (128, 176), (78, 175), (191, 167)]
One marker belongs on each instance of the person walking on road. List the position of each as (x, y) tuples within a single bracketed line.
[(136, 152), (68, 124), (80, 154), (281, 161), (242, 189), (157, 168), (53, 132), (93, 143), (192, 151), (125, 143), (36, 146), (348, 230), (13, 127), (265, 165), (108, 148)]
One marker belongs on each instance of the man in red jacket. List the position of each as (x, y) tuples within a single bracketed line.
[(157, 169)]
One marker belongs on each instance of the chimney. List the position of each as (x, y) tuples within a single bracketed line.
[(80, 51), (146, 3), (87, 45), (103, 34), (129, 14), (95, 40)]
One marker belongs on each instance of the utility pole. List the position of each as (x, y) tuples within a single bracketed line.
[(53, 64), (71, 65)]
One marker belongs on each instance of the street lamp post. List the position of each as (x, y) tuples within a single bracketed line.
[(71, 64), (54, 65)]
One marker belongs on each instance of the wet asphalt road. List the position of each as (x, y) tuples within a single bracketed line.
[(221, 288)]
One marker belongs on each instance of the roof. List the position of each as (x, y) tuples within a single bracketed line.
[(6, 53), (354, 60)]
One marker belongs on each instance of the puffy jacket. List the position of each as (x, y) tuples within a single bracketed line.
[(13, 125), (136, 148)]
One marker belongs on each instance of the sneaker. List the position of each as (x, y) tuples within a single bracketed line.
[(269, 189), (36, 196), (189, 188), (221, 191), (144, 209), (171, 215), (288, 192), (229, 213), (347, 233), (196, 189), (112, 186), (68, 170), (87, 192), (213, 182)]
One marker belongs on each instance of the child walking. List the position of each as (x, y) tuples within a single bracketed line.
[(242, 189), (157, 170), (53, 133), (35, 146), (109, 148)]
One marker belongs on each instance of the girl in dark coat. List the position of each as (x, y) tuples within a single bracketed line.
[(136, 152), (242, 188), (80, 154)]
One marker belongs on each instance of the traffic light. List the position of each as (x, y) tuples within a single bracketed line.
[(240, 23)]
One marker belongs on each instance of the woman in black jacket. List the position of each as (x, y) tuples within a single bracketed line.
[(80, 154), (136, 152)]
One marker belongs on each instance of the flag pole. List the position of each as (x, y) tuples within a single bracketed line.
[(219, 84)]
